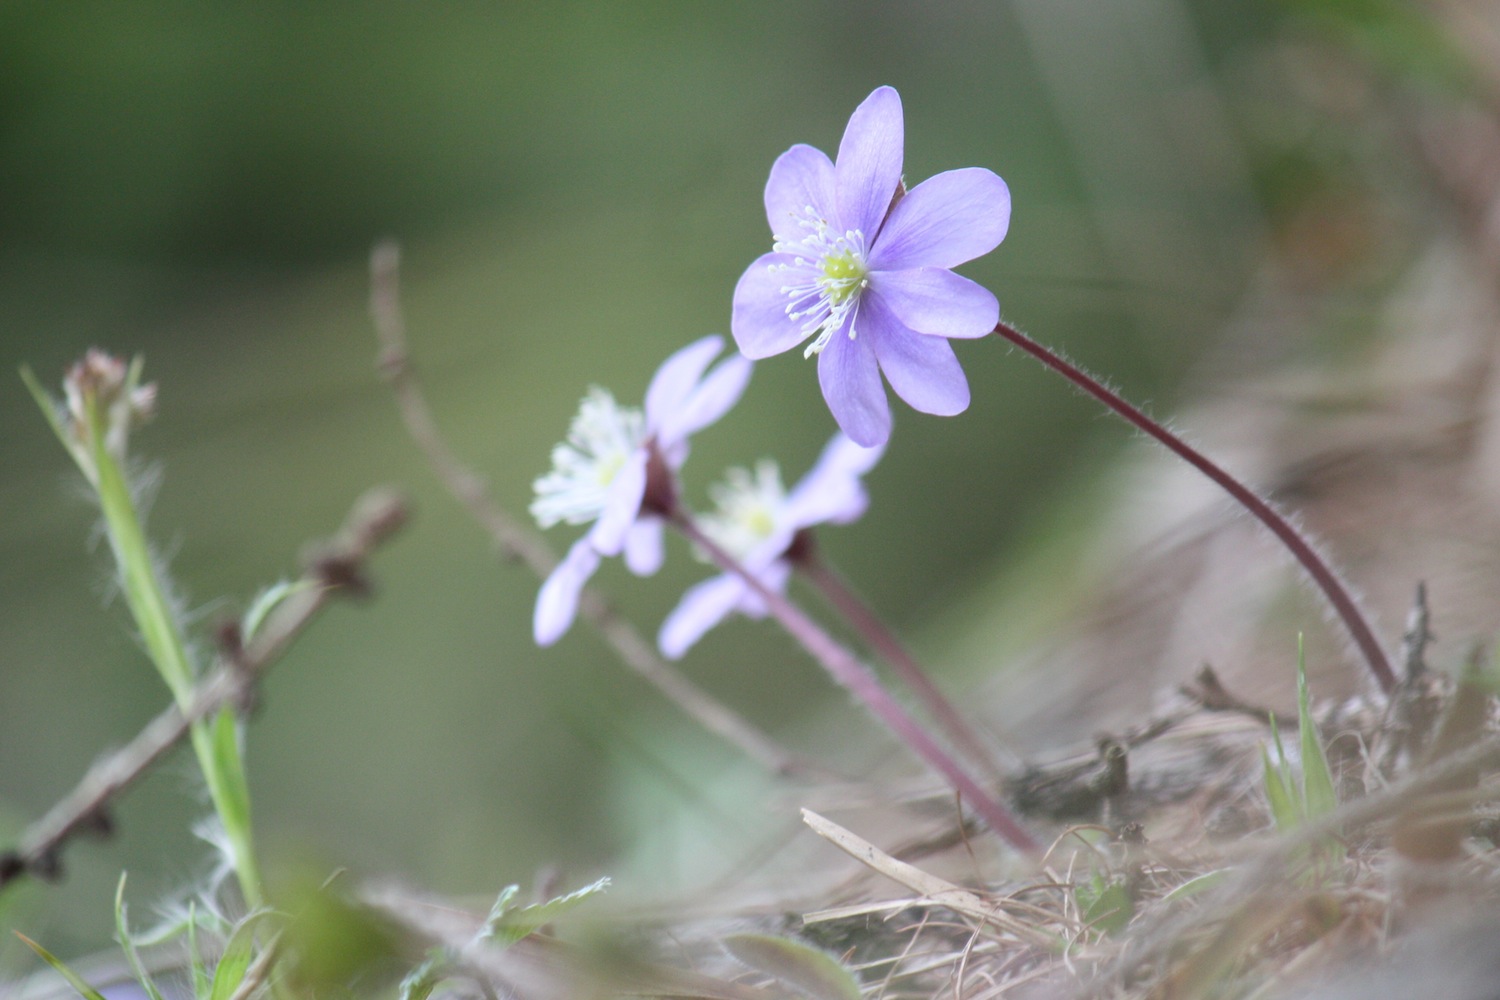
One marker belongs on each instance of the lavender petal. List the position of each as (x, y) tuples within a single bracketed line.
[(947, 219), (922, 369), (643, 546), (703, 606), (801, 178), (775, 576), (869, 162), (759, 320), (709, 400), (621, 506), (557, 601), (831, 491), (850, 379), (677, 376), (935, 301)]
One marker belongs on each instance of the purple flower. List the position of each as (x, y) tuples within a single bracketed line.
[(757, 522), (854, 255), (616, 469)]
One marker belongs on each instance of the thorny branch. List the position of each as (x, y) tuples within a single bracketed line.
[(514, 541), (334, 569)]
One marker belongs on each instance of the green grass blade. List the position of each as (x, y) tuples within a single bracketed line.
[(230, 971), (47, 405), (1281, 796), (1197, 884), (127, 944), (812, 973), (1317, 778), (233, 798), (74, 979), (195, 954)]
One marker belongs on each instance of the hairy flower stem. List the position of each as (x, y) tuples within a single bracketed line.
[(861, 682), (1322, 574), (214, 740), (816, 571)]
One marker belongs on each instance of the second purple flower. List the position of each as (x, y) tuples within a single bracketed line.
[(602, 474)]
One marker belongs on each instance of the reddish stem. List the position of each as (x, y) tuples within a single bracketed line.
[(837, 593), (865, 686), (1322, 574)]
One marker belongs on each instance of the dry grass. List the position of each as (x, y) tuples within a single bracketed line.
[(1209, 899)]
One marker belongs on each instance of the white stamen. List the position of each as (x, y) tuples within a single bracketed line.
[(746, 508), (827, 299), (600, 440)]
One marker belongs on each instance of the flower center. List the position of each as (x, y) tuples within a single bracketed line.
[(601, 438), (746, 511), (832, 273)]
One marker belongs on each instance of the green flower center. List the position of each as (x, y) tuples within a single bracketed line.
[(747, 507), (843, 275), (600, 441)]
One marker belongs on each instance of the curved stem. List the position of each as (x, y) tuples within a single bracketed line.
[(1322, 574), (865, 686), (889, 648)]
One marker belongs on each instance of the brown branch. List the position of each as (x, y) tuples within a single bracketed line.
[(512, 540), (1209, 692), (333, 569)]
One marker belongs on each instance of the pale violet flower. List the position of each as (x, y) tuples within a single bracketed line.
[(616, 471), (758, 523), (863, 268)]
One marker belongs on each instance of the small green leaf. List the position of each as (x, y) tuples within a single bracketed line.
[(419, 983), (812, 973), (510, 926), (74, 979), (230, 971), (501, 907), (1108, 907)]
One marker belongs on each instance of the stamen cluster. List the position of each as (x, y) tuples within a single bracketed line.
[(833, 270), (601, 439), (746, 508)]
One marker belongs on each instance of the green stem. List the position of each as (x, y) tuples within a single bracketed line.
[(214, 740)]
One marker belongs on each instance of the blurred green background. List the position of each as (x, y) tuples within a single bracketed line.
[(577, 188)]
